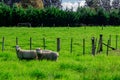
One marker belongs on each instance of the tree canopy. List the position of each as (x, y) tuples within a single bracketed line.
[(105, 4)]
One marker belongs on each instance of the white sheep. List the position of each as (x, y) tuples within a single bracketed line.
[(26, 54), (47, 54)]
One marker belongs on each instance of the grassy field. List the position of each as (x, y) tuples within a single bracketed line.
[(72, 66)]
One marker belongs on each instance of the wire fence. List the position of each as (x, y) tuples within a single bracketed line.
[(83, 47)]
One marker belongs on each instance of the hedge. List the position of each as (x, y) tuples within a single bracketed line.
[(11, 16)]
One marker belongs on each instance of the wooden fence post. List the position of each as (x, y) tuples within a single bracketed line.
[(68, 25), (44, 43), (83, 46), (30, 43), (93, 46), (58, 44), (100, 44), (101, 41), (3, 42), (116, 41), (108, 43), (109, 40), (71, 45), (53, 25), (42, 25), (102, 27), (16, 41)]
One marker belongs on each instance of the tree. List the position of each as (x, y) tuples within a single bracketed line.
[(114, 17), (116, 4), (5, 15), (99, 3), (102, 17), (55, 3), (106, 4), (93, 3), (24, 3), (33, 3)]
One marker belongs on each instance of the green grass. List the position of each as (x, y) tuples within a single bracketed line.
[(69, 66)]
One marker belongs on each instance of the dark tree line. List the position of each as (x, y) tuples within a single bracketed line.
[(105, 4), (11, 16)]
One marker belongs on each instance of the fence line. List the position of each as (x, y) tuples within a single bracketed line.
[(58, 47)]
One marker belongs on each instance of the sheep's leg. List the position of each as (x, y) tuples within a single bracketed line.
[(36, 58)]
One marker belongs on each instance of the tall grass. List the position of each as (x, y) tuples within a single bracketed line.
[(72, 66)]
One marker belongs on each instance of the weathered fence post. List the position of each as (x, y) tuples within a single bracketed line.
[(102, 27), (93, 46), (3, 42), (108, 43), (30, 43), (42, 25), (116, 41), (53, 25), (83, 46), (101, 41), (16, 41), (100, 44), (68, 25), (58, 44), (71, 45), (44, 43), (109, 40)]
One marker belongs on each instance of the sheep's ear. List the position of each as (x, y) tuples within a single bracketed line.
[(17, 47)]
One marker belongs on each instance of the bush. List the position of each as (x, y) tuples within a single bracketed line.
[(11, 16)]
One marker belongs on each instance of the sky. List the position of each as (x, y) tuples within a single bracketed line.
[(72, 4)]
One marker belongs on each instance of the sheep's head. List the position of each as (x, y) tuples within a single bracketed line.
[(38, 51), (17, 48)]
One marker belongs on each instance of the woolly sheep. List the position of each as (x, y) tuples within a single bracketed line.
[(47, 54), (26, 54)]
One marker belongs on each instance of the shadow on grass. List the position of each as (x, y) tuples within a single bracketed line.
[(77, 68), (38, 74)]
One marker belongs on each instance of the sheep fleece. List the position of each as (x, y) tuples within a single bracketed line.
[(27, 54), (48, 56)]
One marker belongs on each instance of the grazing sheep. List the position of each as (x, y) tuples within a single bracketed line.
[(26, 54), (47, 54)]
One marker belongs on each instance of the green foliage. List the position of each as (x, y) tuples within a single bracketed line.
[(51, 16), (18, 15), (102, 17), (114, 17), (5, 15), (86, 16)]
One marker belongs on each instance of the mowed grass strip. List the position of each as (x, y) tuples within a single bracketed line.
[(72, 66)]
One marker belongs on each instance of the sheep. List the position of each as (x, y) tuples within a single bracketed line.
[(47, 54), (26, 54)]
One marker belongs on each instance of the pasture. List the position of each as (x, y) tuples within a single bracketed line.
[(72, 66)]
